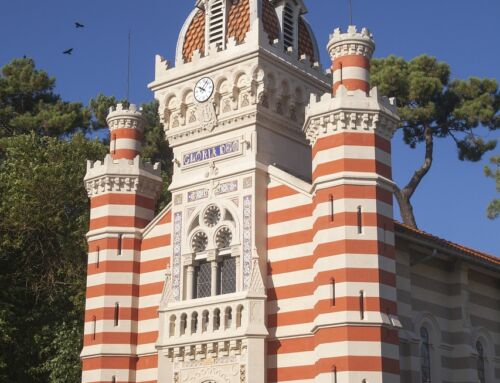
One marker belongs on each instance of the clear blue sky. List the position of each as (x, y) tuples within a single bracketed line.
[(452, 200)]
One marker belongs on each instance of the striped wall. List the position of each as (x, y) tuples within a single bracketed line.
[(458, 304), (155, 259)]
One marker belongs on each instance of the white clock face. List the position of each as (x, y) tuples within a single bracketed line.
[(203, 89)]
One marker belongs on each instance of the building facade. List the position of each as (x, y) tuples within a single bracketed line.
[(278, 259)]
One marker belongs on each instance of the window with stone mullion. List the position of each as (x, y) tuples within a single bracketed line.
[(203, 280), (227, 276)]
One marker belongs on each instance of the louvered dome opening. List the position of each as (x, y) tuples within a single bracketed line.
[(216, 27), (288, 26)]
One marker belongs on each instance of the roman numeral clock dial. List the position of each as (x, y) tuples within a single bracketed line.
[(203, 89)]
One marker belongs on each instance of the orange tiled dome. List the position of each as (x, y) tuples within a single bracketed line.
[(238, 26)]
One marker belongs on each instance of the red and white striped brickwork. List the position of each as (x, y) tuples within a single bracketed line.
[(123, 195), (332, 302), (126, 132), (351, 53)]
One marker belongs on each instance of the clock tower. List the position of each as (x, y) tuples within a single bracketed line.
[(233, 106)]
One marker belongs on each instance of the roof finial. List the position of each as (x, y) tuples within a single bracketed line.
[(350, 12)]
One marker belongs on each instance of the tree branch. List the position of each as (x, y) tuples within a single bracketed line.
[(420, 173)]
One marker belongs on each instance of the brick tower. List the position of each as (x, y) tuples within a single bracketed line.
[(354, 326), (123, 193)]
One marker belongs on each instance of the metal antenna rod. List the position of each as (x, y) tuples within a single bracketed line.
[(128, 63), (350, 12)]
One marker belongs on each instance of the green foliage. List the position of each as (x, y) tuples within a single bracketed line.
[(494, 173), (427, 98), (431, 105), (44, 210), (28, 103)]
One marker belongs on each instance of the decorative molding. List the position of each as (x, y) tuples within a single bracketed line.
[(177, 251), (247, 182), (125, 118), (256, 285), (167, 294), (198, 194), (122, 176), (206, 116), (247, 240), (350, 111), (178, 199), (226, 187), (351, 43)]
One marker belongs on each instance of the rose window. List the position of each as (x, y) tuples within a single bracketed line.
[(212, 216), (223, 238), (199, 242)]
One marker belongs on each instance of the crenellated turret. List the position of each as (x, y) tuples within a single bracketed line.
[(123, 192)]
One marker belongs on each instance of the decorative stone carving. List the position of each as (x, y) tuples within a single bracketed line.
[(247, 239), (167, 294), (256, 285), (176, 268), (206, 116)]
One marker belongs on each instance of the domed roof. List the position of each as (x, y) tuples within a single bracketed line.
[(194, 34)]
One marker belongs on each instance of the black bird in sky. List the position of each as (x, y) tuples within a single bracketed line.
[(68, 52), (79, 25)]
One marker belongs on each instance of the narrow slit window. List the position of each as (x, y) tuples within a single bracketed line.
[(113, 379), (332, 285), (117, 313), (334, 371), (332, 208), (120, 244), (360, 220), (362, 305), (341, 73), (113, 144), (94, 327), (288, 27), (98, 260)]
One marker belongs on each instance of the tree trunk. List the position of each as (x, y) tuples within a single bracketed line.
[(403, 196)]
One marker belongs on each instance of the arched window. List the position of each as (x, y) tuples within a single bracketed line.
[(481, 370), (425, 356), (288, 26)]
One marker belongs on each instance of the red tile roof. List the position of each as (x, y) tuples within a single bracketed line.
[(306, 45), (239, 20), (400, 227), (270, 21), (195, 37)]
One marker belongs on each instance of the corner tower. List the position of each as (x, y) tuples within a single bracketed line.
[(123, 192), (355, 314)]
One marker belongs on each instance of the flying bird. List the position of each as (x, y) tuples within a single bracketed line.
[(79, 25), (68, 52)]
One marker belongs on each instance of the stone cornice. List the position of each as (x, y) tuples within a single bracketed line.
[(351, 43), (350, 112), (125, 118), (123, 176)]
